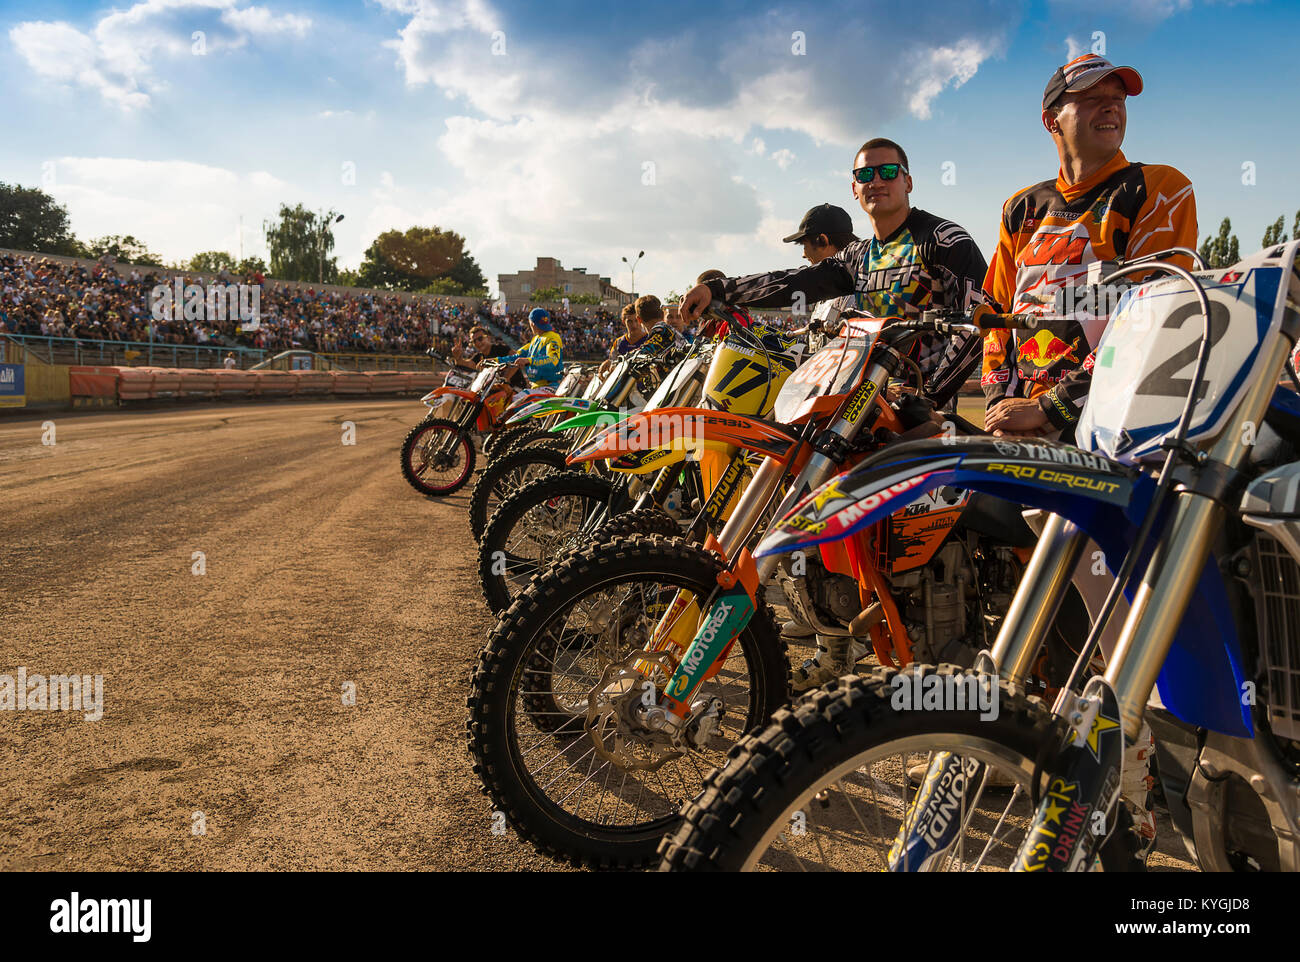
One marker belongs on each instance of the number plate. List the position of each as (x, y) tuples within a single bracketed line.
[(1143, 367)]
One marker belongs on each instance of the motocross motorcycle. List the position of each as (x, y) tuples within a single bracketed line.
[(536, 451), (556, 514), (438, 454), (1185, 476), (622, 674)]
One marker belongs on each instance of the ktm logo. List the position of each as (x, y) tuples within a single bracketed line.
[(1054, 249)]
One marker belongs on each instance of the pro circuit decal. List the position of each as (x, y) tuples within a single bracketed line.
[(1109, 490)]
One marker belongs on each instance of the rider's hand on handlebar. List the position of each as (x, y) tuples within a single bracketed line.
[(696, 300)]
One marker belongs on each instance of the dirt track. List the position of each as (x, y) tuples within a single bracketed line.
[(223, 691)]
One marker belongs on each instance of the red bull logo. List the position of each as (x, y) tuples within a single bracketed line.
[(1045, 349)]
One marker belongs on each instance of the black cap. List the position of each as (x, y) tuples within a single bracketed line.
[(822, 219)]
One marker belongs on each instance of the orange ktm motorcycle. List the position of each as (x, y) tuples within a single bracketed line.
[(623, 674), (438, 454)]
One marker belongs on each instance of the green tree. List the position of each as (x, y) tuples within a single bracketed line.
[(1223, 250), (468, 275), (547, 294), (584, 298), (210, 262), (300, 241), (251, 265), (124, 248), (409, 260), (348, 278), (30, 220), (1295, 226), (1273, 233)]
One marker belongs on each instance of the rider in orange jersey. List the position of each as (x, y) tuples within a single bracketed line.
[(1099, 207)]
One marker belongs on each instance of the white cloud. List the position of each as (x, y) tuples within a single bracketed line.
[(551, 148), (117, 56), (175, 207)]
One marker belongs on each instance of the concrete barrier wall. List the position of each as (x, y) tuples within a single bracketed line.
[(154, 383)]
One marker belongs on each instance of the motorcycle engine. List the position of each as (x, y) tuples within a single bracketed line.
[(941, 602), (832, 594)]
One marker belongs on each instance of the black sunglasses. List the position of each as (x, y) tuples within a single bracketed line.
[(865, 175)]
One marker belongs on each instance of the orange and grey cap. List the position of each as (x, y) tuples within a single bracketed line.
[(1082, 72)]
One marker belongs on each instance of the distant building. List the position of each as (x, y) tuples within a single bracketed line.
[(518, 288)]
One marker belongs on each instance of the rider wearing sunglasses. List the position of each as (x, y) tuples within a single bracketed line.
[(913, 262), (1099, 207)]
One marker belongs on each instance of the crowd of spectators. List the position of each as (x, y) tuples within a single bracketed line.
[(586, 335), (45, 296)]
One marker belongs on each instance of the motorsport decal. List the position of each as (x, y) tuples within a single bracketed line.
[(722, 491), (726, 619), (1108, 490), (1062, 454), (861, 398), (1062, 817), (934, 818), (826, 513)]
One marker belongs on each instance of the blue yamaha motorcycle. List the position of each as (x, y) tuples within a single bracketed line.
[(1178, 514)]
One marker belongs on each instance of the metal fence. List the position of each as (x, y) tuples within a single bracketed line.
[(72, 350)]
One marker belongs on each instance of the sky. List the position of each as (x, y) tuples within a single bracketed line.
[(591, 131)]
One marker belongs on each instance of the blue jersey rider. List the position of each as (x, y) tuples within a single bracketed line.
[(542, 358)]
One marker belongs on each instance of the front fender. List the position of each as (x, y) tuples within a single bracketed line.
[(599, 418), (1049, 475), (683, 429), (1202, 677), (549, 405), (455, 391)]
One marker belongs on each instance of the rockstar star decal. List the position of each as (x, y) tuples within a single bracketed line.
[(1053, 812), (831, 490), (1100, 724)]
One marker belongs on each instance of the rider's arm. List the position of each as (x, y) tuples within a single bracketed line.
[(817, 282), (998, 369), (1167, 219), (958, 269)]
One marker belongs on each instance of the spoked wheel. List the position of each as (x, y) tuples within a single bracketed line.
[(437, 457), (586, 792), (828, 785), (503, 477), (535, 525)]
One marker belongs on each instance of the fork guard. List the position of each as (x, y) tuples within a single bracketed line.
[(1202, 677), (686, 429)]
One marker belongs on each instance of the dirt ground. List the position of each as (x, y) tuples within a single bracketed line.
[(223, 691)]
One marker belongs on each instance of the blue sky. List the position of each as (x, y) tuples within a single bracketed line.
[(589, 131)]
